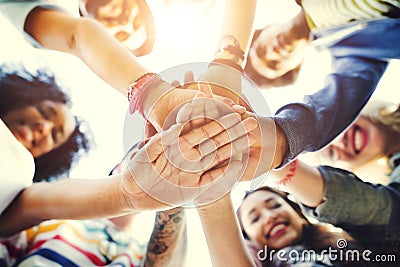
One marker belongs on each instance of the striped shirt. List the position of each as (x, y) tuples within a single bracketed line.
[(322, 14), (72, 243)]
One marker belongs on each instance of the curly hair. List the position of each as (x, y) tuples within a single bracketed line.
[(263, 82), (20, 88)]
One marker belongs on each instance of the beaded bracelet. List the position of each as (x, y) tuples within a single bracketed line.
[(137, 90), (289, 176)]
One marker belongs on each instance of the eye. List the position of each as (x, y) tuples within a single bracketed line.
[(276, 205), (255, 219), (43, 112), (54, 135), (332, 154)]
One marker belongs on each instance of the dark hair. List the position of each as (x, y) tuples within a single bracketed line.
[(263, 82), (281, 194), (20, 88), (317, 236)]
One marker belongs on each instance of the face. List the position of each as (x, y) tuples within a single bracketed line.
[(270, 220), (124, 20), (361, 143), (274, 52), (41, 128)]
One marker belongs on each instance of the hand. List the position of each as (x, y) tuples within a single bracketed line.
[(171, 169), (270, 143), (269, 147), (165, 103)]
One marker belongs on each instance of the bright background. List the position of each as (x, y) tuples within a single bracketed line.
[(184, 36)]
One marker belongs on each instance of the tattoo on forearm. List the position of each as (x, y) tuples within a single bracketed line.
[(168, 239)]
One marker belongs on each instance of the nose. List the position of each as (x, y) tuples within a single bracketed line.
[(268, 215), (42, 129), (340, 143)]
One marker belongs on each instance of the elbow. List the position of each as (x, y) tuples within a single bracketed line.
[(82, 32)]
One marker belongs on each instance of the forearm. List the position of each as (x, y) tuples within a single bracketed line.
[(224, 239), (65, 199), (306, 184), (236, 32), (238, 20), (300, 27), (168, 241), (88, 40), (350, 201)]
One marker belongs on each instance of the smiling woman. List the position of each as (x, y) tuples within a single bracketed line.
[(372, 136), (276, 231), (37, 112)]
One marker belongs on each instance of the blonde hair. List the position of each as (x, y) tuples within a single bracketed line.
[(386, 115)]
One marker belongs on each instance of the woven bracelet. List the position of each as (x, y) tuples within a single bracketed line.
[(137, 91), (289, 176)]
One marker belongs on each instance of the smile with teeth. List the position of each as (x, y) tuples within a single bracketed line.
[(277, 230), (358, 140)]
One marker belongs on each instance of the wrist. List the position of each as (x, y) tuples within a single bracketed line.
[(159, 104), (282, 147), (290, 173), (145, 91), (227, 80), (129, 194), (219, 206), (157, 94)]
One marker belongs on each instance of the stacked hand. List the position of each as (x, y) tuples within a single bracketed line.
[(178, 164), (194, 156)]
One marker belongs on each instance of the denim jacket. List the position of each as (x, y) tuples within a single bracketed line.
[(360, 54), (369, 212)]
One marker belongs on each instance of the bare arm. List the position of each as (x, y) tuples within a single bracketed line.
[(307, 184), (120, 194), (238, 20), (224, 239), (70, 198), (103, 54), (168, 241), (88, 40), (237, 26)]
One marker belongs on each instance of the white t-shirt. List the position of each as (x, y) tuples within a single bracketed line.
[(17, 11), (16, 165)]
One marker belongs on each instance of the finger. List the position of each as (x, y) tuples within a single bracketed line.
[(230, 170), (157, 143), (188, 77), (213, 107), (198, 116), (186, 152), (239, 109), (227, 151), (206, 89), (176, 83), (225, 137), (184, 113), (160, 163), (209, 130)]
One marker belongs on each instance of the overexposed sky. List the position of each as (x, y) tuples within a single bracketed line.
[(181, 39)]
